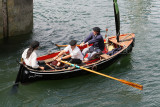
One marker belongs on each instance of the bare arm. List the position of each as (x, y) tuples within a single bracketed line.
[(65, 57), (59, 55)]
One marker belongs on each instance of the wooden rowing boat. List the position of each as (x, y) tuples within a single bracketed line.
[(101, 62)]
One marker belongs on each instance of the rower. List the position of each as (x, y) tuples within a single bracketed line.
[(96, 39), (75, 55)]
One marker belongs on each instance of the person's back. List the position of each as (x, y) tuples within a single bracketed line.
[(32, 60), (30, 57)]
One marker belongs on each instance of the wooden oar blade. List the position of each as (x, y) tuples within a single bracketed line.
[(140, 87)]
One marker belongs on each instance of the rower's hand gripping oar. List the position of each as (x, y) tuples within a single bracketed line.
[(140, 87)]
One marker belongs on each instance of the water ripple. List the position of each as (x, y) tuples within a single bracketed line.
[(61, 21)]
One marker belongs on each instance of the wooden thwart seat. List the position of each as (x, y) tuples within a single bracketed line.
[(105, 56)]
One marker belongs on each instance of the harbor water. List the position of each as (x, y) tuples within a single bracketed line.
[(60, 21)]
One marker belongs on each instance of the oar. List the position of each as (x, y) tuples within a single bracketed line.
[(63, 45), (55, 45), (16, 84), (123, 39), (104, 42), (50, 66), (140, 87)]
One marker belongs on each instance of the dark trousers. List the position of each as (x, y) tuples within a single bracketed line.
[(75, 61), (43, 64), (92, 51)]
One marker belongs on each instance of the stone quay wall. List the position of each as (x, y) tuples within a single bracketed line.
[(16, 17)]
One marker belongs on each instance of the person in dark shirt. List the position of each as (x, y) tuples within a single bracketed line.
[(96, 39)]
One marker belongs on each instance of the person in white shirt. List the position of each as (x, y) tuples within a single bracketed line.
[(30, 57), (75, 54)]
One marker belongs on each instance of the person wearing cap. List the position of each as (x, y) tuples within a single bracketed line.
[(29, 56), (75, 55), (96, 39)]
